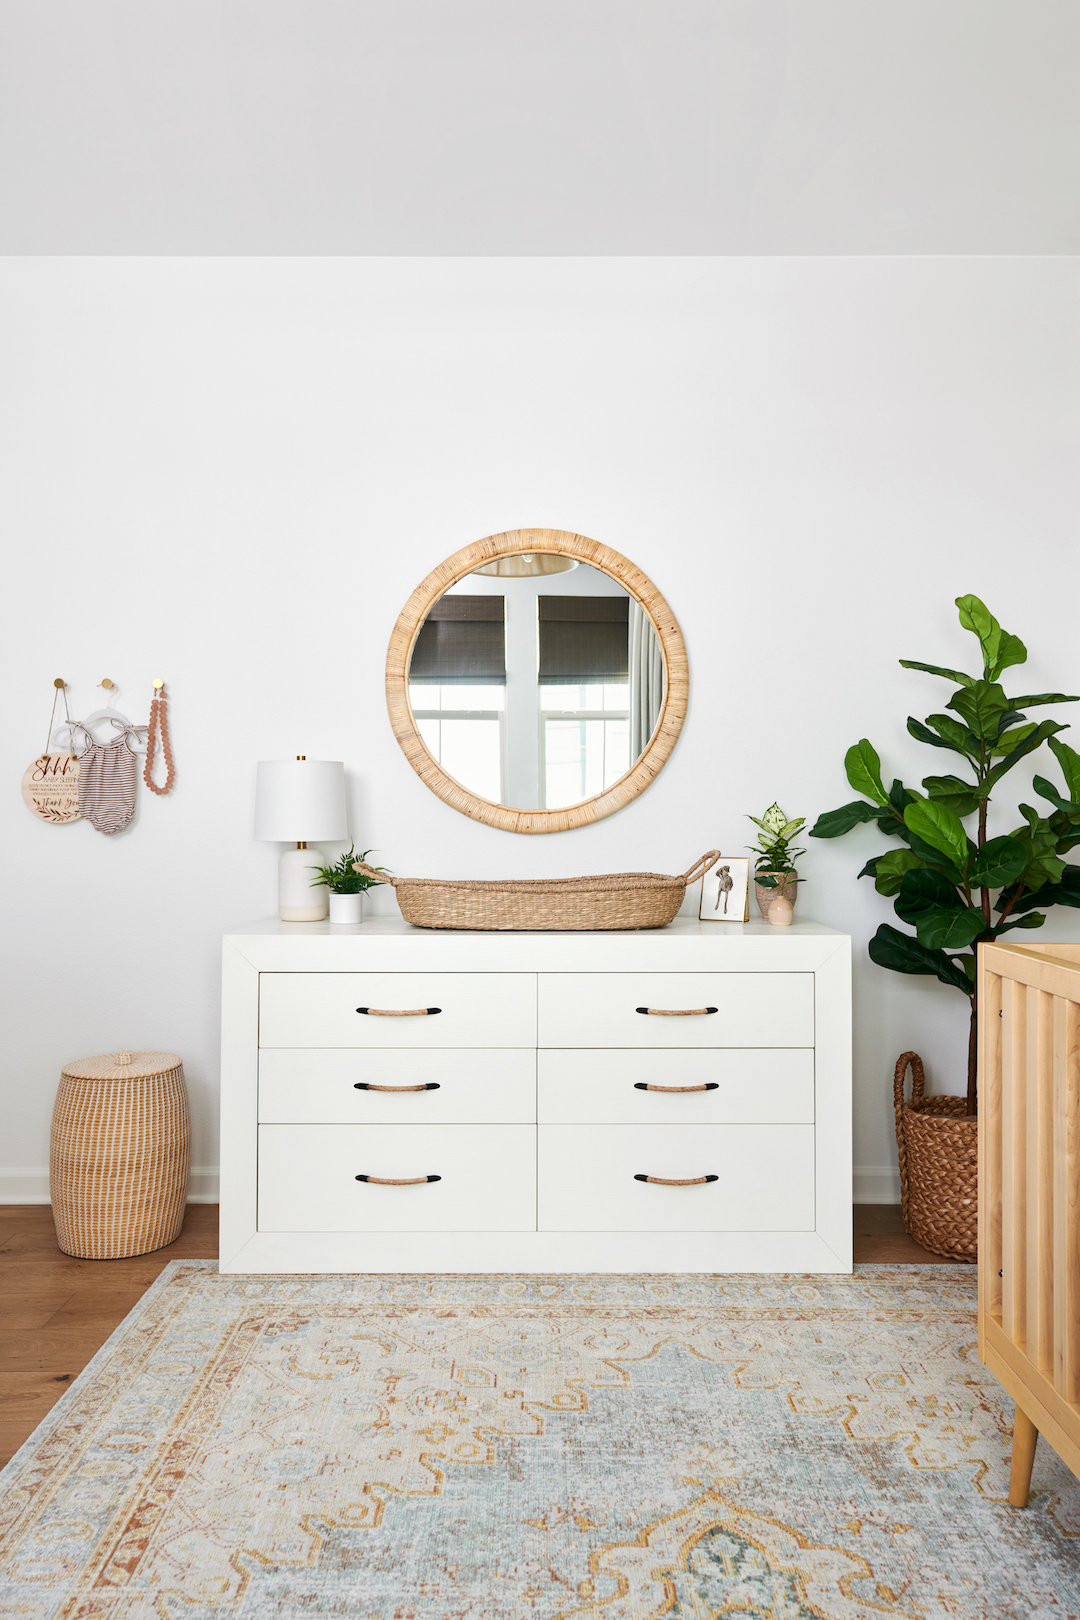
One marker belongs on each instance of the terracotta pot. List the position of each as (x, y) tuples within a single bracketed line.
[(789, 888)]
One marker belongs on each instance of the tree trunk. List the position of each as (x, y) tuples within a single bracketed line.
[(973, 1059)]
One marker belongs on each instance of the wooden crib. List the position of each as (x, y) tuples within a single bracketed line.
[(1029, 1193)]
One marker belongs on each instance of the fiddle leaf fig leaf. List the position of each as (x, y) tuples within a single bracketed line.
[(1027, 744), (943, 927), (889, 948), (900, 796), (1069, 760), (1035, 700), (863, 769), (919, 731), (957, 795), (1010, 651), (1000, 861), (981, 706), (835, 823), (1007, 740), (921, 890), (1032, 919), (956, 675), (976, 617), (961, 739), (890, 868), (1047, 790), (940, 828), (1043, 865)]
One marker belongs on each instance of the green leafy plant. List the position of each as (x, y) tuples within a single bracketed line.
[(942, 880), (773, 848), (341, 879)]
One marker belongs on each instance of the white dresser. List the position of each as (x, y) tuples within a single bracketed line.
[(399, 1099)]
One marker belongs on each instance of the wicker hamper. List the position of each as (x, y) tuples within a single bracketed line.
[(939, 1171), (619, 900), (118, 1161)]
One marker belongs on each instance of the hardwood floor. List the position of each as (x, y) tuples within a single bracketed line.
[(58, 1312)]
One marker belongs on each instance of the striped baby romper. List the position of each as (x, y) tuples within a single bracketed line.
[(107, 775)]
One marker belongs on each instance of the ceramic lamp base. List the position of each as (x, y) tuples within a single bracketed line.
[(297, 900)]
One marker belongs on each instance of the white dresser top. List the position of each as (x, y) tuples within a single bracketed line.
[(388, 944)]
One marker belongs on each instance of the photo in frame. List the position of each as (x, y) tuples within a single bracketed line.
[(725, 891)]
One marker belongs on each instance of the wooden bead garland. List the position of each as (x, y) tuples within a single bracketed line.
[(159, 725)]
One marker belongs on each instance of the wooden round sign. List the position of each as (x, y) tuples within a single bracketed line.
[(50, 787)]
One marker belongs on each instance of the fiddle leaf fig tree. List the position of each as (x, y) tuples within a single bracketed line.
[(951, 886)]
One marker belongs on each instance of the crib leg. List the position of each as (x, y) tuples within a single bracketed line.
[(1025, 1434)]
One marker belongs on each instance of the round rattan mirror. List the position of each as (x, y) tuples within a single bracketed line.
[(536, 680)]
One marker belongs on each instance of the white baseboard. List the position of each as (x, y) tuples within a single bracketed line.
[(32, 1186), (875, 1184)]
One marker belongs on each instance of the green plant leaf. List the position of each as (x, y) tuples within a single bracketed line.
[(956, 675), (1007, 740), (889, 948), (890, 868), (940, 828), (962, 740), (976, 617), (1000, 861), (863, 769), (945, 928), (956, 795), (1069, 760), (1047, 790), (1027, 745), (1040, 841), (1033, 919), (1010, 651), (922, 889), (923, 734), (1065, 892), (791, 828), (981, 707), (835, 823), (1035, 700), (900, 796)]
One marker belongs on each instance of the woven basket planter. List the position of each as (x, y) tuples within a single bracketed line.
[(939, 1176), (119, 1153), (619, 900)]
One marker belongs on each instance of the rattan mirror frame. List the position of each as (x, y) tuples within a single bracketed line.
[(631, 578)]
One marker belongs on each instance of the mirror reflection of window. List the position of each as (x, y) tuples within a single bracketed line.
[(533, 691), (457, 689)]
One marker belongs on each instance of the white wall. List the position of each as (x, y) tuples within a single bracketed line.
[(232, 474), (539, 126)]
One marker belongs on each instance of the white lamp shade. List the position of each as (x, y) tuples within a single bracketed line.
[(300, 800)]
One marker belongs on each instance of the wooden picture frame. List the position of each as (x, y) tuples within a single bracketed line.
[(511, 543), (718, 902)]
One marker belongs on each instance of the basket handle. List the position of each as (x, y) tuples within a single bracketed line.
[(903, 1062), (702, 865), (373, 872)]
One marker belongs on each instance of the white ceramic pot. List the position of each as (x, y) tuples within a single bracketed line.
[(346, 908)]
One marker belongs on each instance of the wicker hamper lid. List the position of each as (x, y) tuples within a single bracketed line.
[(122, 1066)]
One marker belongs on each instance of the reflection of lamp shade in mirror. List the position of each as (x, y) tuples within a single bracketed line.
[(527, 565), (297, 800)]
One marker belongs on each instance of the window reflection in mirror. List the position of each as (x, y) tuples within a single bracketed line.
[(536, 691)]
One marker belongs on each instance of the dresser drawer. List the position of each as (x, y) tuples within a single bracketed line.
[(488, 1086), (586, 1178), (402, 1010), (307, 1178), (608, 1009), (747, 1086)]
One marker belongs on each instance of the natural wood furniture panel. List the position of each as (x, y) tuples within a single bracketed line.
[(1029, 1193), (521, 1014)]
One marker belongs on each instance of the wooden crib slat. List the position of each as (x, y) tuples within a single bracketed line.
[(1066, 1371), (1014, 1164)]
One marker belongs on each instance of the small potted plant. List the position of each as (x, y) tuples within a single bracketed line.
[(774, 869), (346, 886)]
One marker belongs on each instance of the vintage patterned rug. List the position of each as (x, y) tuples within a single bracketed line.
[(607, 1448)]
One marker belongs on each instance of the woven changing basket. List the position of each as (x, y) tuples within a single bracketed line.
[(619, 900), (118, 1162), (939, 1174)]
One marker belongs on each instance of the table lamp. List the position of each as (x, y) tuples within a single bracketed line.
[(296, 800)]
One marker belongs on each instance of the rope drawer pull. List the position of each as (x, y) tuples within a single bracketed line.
[(394, 1181), (645, 1085), (676, 1012), (678, 1181), (367, 1085), (399, 1012)]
